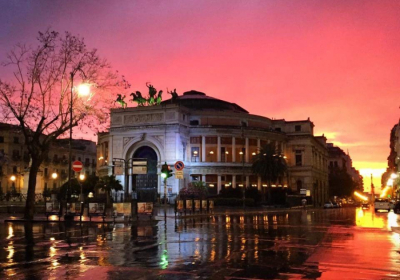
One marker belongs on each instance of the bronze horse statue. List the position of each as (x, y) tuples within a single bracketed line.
[(137, 97), (120, 101)]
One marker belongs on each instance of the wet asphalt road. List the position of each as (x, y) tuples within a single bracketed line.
[(347, 243)]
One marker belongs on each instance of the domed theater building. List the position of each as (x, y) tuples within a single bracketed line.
[(216, 141)]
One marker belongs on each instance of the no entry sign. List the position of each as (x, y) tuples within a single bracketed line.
[(77, 166)]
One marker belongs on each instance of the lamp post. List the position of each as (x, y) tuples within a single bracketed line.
[(13, 178), (243, 152), (83, 90), (81, 179)]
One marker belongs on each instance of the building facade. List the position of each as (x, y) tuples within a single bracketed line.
[(14, 161), (339, 160), (215, 139)]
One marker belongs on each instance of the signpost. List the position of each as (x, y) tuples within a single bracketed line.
[(179, 169), (139, 167), (77, 166), (178, 174)]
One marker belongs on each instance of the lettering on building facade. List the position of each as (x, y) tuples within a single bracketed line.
[(143, 118)]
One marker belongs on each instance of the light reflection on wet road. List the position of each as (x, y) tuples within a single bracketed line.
[(347, 243)]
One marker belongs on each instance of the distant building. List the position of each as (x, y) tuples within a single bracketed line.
[(216, 140), (339, 160), (394, 155), (14, 161)]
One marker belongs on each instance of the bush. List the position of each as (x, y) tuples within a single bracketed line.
[(230, 192), (237, 193), (194, 190), (233, 202)]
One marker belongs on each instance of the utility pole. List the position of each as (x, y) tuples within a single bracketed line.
[(243, 175), (372, 190)]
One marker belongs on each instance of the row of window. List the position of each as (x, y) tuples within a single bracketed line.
[(15, 140), (297, 128)]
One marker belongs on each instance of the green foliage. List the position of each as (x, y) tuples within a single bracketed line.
[(109, 183), (269, 164), (229, 192), (250, 192), (340, 183), (233, 202), (194, 190), (46, 192), (87, 186)]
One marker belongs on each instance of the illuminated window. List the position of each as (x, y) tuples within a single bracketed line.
[(195, 154)]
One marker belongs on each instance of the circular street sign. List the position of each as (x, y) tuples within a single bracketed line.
[(77, 166), (179, 165)]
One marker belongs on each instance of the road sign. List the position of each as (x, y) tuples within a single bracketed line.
[(179, 165), (118, 170), (178, 174), (137, 170), (77, 166)]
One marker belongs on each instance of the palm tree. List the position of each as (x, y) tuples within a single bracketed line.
[(270, 165), (109, 183)]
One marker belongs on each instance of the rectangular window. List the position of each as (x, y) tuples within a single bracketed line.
[(223, 155), (15, 153), (226, 140), (195, 140), (194, 122), (299, 158), (16, 140), (211, 140), (15, 169), (46, 171), (278, 129), (1, 139), (195, 154), (297, 128)]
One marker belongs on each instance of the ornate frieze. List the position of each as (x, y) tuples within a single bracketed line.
[(115, 120), (143, 118), (170, 116)]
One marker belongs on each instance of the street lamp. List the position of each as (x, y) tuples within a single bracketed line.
[(82, 90), (81, 178), (54, 175), (13, 178)]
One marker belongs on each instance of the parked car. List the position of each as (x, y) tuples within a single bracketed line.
[(396, 208), (365, 205), (328, 204), (337, 204), (382, 204)]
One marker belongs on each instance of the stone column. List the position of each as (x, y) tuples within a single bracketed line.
[(258, 145), (246, 150), (259, 183), (233, 181), (203, 148), (247, 181), (219, 184), (130, 181), (219, 149), (233, 150)]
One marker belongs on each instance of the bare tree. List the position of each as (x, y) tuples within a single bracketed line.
[(40, 96)]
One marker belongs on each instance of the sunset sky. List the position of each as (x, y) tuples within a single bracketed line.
[(337, 62)]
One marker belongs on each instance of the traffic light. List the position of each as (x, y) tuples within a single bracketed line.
[(166, 171)]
